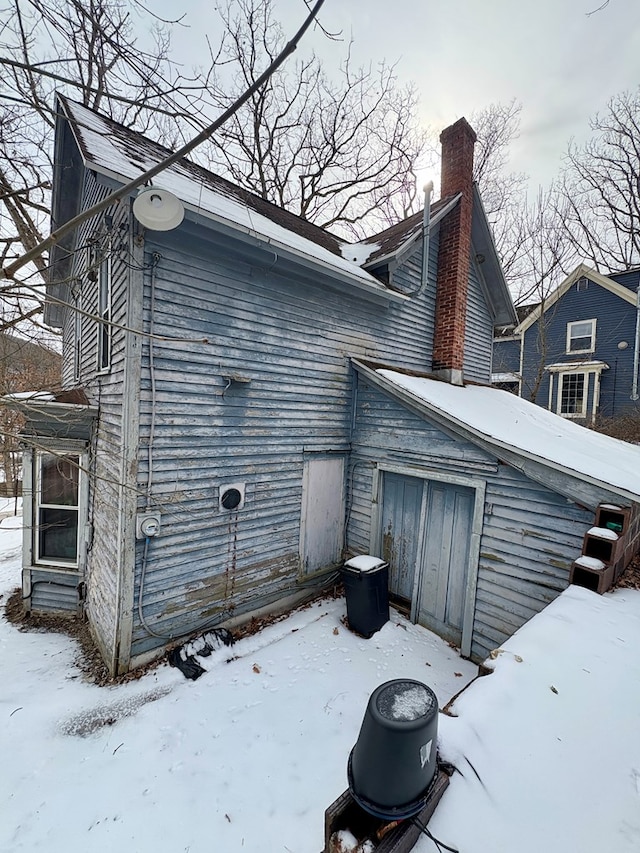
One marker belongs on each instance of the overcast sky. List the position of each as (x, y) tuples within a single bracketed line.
[(560, 63)]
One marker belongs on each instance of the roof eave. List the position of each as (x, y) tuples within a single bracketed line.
[(500, 301), (481, 439), (582, 270), (371, 287)]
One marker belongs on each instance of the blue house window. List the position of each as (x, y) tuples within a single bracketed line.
[(581, 336), (573, 398)]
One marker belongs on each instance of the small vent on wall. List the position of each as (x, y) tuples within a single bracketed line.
[(583, 284), (231, 497)]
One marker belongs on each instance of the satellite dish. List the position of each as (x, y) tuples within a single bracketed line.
[(158, 210)]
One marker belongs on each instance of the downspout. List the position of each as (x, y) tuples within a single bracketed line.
[(426, 221), (636, 350)]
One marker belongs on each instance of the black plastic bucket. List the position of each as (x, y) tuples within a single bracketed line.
[(366, 590), (393, 763)]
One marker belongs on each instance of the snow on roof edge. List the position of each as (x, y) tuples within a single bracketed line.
[(398, 382), (97, 145)]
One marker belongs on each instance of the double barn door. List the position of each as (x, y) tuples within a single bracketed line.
[(426, 529)]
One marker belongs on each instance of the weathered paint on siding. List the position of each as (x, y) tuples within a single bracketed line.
[(292, 339), (530, 534), (407, 277), (478, 329), (105, 391), (530, 538)]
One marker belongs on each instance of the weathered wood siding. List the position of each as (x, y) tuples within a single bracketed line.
[(530, 534), (407, 277), (478, 329), (530, 537), (291, 335), (104, 390), (53, 591)]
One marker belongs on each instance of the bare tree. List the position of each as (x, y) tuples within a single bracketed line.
[(545, 256), (503, 191), (336, 151), (91, 50), (600, 188), (24, 366)]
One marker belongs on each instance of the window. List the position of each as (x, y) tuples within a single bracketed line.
[(573, 398), (56, 511), (104, 313), (581, 336)]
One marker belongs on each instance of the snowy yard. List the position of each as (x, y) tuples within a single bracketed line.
[(246, 758), (249, 756)]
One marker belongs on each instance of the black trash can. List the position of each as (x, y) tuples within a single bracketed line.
[(366, 589), (394, 761)]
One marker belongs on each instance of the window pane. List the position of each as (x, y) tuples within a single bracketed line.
[(581, 330), (581, 336), (572, 398), (58, 534), (59, 479), (578, 344)]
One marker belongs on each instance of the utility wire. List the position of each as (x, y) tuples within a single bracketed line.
[(9, 271)]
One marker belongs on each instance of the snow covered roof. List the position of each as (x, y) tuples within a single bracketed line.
[(502, 420), (576, 365), (393, 240), (119, 153)]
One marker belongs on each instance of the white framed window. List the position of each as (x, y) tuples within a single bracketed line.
[(581, 336), (56, 509), (104, 312), (572, 395), (574, 388)]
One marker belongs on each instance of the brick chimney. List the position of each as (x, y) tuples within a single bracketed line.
[(453, 253)]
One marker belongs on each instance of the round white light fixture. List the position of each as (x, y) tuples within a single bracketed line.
[(158, 210)]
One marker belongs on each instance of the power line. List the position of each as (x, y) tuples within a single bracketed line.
[(9, 271)]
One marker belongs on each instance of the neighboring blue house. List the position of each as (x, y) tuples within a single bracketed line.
[(577, 353), (227, 438)]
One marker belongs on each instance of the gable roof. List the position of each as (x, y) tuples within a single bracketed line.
[(396, 242), (582, 270), (120, 154), (500, 422), (392, 241)]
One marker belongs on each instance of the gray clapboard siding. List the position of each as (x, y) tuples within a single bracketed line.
[(106, 391), (54, 591), (478, 329), (530, 534), (257, 324), (530, 537)]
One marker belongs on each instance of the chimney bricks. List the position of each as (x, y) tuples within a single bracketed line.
[(454, 251)]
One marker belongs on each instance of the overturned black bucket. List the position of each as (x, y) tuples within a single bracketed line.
[(393, 763)]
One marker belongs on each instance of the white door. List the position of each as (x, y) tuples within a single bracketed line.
[(322, 520)]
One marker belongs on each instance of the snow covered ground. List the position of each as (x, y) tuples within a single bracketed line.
[(249, 756), (554, 735), (246, 758)]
